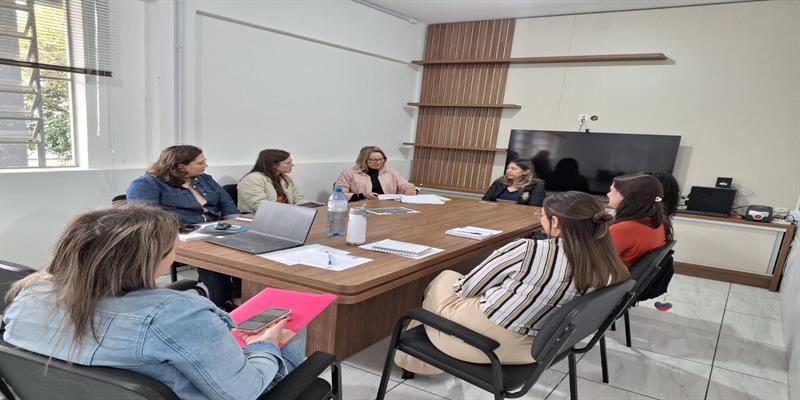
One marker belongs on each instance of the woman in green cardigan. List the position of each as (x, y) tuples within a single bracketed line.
[(268, 180)]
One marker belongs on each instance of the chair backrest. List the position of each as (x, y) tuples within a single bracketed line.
[(233, 192), (577, 319), (644, 270), (26, 374), (119, 197), (10, 273)]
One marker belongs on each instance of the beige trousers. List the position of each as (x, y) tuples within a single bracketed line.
[(440, 299)]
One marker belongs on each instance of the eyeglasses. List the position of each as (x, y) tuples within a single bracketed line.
[(376, 160)]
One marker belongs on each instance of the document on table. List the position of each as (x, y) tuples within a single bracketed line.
[(415, 199), (318, 256)]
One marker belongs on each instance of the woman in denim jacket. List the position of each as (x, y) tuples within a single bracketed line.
[(177, 182), (100, 282)]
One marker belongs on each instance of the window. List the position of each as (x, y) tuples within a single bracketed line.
[(42, 44)]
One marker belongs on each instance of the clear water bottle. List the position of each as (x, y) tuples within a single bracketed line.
[(337, 213)]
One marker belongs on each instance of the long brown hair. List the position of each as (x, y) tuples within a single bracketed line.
[(584, 231), (642, 201), (267, 160), (104, 253), (363, 154), (168, 166)]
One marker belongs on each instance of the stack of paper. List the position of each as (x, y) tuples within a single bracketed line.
[(415, 199), (471, 232)]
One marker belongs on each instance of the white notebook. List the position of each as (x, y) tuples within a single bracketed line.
[(472, 232), (403, 249)]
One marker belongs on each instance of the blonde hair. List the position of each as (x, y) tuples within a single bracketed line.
[(106, 252), (361, 160)]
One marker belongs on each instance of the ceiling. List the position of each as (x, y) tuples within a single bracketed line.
[(443, 11)]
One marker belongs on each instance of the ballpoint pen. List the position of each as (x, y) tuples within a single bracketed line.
[(330, 259)]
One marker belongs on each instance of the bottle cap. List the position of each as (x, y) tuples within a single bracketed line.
[(338, 189)]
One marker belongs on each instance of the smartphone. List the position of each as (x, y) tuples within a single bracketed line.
[(188, 228), (260, 321)]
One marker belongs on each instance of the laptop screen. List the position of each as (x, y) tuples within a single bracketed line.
[(284, 221), (709, 199)]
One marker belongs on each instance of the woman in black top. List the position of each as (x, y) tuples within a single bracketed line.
[(518, 185)]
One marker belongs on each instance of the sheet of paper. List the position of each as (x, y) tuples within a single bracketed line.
[(390, 196), (296, 255), (422, 199), (333, 261)]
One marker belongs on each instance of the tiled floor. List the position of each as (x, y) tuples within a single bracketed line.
[(719, 341)]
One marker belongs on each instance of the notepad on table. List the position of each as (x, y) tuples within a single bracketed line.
[(472, 232), (403, 249), (304, 306)]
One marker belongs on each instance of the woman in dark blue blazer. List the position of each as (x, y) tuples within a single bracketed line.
[(177, 182)]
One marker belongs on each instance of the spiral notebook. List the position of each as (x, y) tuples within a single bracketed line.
[(403, 249)]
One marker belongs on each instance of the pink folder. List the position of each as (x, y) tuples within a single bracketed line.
[(305, 307)]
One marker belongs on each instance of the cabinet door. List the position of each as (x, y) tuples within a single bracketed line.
[(727, 245)]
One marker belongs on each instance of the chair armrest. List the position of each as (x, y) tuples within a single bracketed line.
[(470, 337), (182, 285), (299, 379)]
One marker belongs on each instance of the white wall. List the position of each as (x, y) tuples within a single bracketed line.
[(790, 302), (137, 113), (731, 88)]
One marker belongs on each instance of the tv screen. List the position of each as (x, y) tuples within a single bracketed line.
[(588, 162)]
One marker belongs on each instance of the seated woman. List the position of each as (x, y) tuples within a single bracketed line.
[(371, 177), (518, 185), (177, 182), (268, 180), (640, 224), (508, 296), (96, 303)]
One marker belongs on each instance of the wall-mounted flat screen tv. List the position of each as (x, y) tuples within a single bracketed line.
[(588, 162)]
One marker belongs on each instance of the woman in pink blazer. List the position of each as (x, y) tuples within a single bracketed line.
[(370, 177)]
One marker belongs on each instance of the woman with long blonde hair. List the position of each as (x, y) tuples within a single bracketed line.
[(371, 177), (96, 303)]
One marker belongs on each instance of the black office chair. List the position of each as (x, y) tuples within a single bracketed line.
[(10, 273), (233, 192), (568, 325), (31, 376), (643, 272)]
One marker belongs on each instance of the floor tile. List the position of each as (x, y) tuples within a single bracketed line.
[(450, 387), (766, 307), (698, 316), (358, 384), (669, 339), (756, 329), (647, 373), (753, 358), (689, 289), (730, 385), (595, 391), (405, 392), (750, 291), (372, 359)]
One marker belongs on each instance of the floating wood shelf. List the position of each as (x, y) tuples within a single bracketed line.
[(464, 105), (553, 59), (444, 146)]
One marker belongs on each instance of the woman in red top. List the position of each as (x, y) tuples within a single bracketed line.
[(641, 224)]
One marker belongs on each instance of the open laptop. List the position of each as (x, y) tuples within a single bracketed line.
[(276, 226)]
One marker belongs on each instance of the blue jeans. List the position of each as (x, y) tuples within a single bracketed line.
[(294, 353)]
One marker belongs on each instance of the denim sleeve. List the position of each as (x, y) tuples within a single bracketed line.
[(144, 190), (191, 336), (226, 206)]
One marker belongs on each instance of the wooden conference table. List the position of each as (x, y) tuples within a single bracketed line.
[(372, 296)]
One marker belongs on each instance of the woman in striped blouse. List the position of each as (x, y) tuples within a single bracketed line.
[(508, 296)]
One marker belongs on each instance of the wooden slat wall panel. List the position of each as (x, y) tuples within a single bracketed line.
[(458, 169)]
